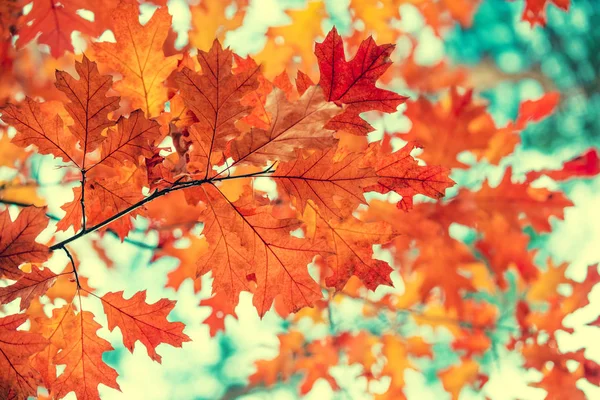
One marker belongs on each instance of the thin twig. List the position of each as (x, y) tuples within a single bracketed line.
[(82, 201), (155, 195), (74, 267)]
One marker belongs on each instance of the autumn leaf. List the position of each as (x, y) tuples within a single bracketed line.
[(55, 22), (138, 56), (221, 307), (17, 240), (294, 38), (519, 203), (141, 321), (352, 83), (293, 125), (457, 120), (89, 104), (28, 287), (457, 376), (586, 165), (211, 16), (18, 379), (81, 352), (247, 240), (534, 11), (214, 97), (36, 126), (133, 138), (104, 197)]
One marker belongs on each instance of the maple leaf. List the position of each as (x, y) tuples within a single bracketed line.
[(18, 379), (352, 83), (214, 98), (89, 104), (81, 352), (138, 56), (17, 240), (28, 287)]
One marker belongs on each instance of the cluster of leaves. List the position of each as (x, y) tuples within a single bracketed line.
[(278, 174)]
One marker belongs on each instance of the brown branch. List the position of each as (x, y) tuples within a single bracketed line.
[(159, 193), (55, 218), (74, 267)]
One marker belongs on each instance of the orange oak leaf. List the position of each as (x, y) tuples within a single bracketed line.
[(519, 203), (133, 138), (352, 83), (247, 240), (312, 359), (55, 21), (396, 353), (286, 43), (303, 82), (585, 165), (138, 56), (353, 241), (18, 380), (298, 124), (187, 258), (545, 287), (457, 376), (81, 352), (505, 247), (378, 18), (536, 110), (447, 128), (89, 104), (282, 367), (257, 99), (28, 287), (10, 155), (36, 126), (104, 197), (17, 240), (221, 307), (214, 98), (141, 321), (210, 19), (337, 186)]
